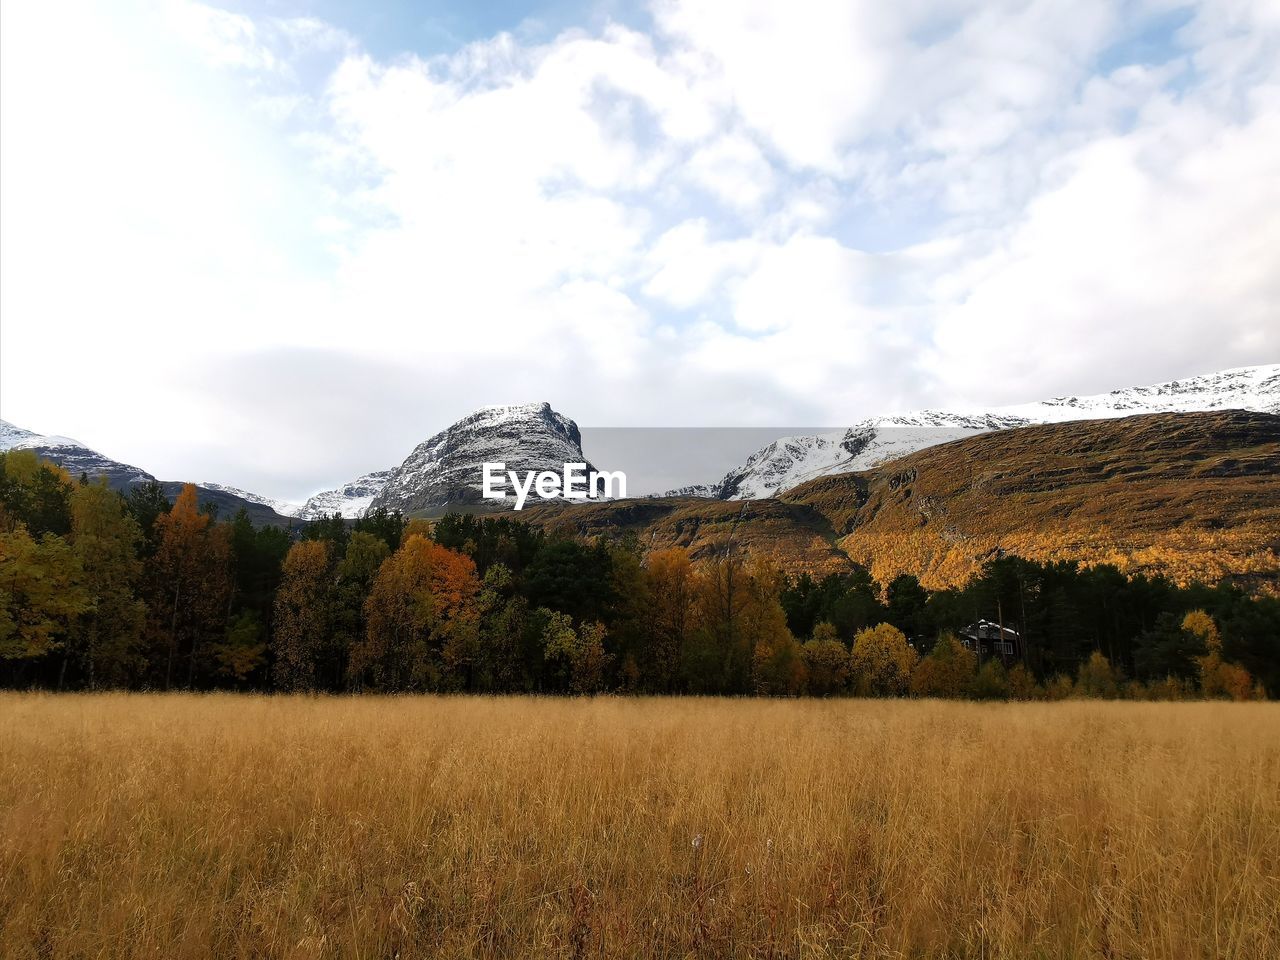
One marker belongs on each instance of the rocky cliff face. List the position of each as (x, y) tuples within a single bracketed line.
[(445, 470)]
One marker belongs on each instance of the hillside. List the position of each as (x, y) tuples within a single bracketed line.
[(78, 460), (1191, 495), (790, 461), (795, 535)]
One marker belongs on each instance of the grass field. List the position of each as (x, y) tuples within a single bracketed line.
[(227, 826)]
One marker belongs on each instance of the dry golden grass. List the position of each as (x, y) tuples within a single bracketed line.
[(227, 826)]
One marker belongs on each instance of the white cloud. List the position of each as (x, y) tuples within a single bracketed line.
[(1154, 250), (756, 213)]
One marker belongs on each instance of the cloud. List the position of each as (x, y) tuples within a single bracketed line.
[(732, 214)]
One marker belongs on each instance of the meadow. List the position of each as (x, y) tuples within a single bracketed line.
[(223, 825)]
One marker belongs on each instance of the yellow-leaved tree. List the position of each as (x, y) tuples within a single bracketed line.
[(826, 662), (947, 671), (1219, 678), (881, 662)]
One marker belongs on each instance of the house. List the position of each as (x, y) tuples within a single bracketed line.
[(986, 639)]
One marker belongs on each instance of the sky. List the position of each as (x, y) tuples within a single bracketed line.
[(277, 244)]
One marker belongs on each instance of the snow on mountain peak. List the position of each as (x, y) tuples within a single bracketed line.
[(790, 461), (350, 500), (445, 469), (16, 438)]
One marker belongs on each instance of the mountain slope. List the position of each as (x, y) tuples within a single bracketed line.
[(1188, 495), (72, 456), (77, 459), (790, 461), (445, 470)]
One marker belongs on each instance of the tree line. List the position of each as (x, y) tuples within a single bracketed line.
[(103, 590)]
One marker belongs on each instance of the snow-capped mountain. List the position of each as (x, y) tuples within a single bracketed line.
[(790, 461), (72, 455), (446, 469), (350, 500)]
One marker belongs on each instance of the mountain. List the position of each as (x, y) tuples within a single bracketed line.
[(791, 461), (77, 459), (72, 455), (282, 507), (445, 470), (1193, 496), (350, 500)]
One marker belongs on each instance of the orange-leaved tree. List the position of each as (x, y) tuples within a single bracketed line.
[(191, 575), (423, 620), (826, 662)]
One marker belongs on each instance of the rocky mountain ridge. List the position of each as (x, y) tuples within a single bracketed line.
[(445, 470)]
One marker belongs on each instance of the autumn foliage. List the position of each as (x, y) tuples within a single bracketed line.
[(99, 590)]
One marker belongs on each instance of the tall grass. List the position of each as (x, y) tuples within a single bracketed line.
[(233, 826)]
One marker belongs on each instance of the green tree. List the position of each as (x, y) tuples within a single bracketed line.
[(579, 654), (504, 627), (907, 600), (107, 638), (35, 493), (991, 682), (41, 594), (1167, 650), (147, 503), (353, 580), (243, 651)]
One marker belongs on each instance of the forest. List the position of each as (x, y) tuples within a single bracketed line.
[(100, 590)]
